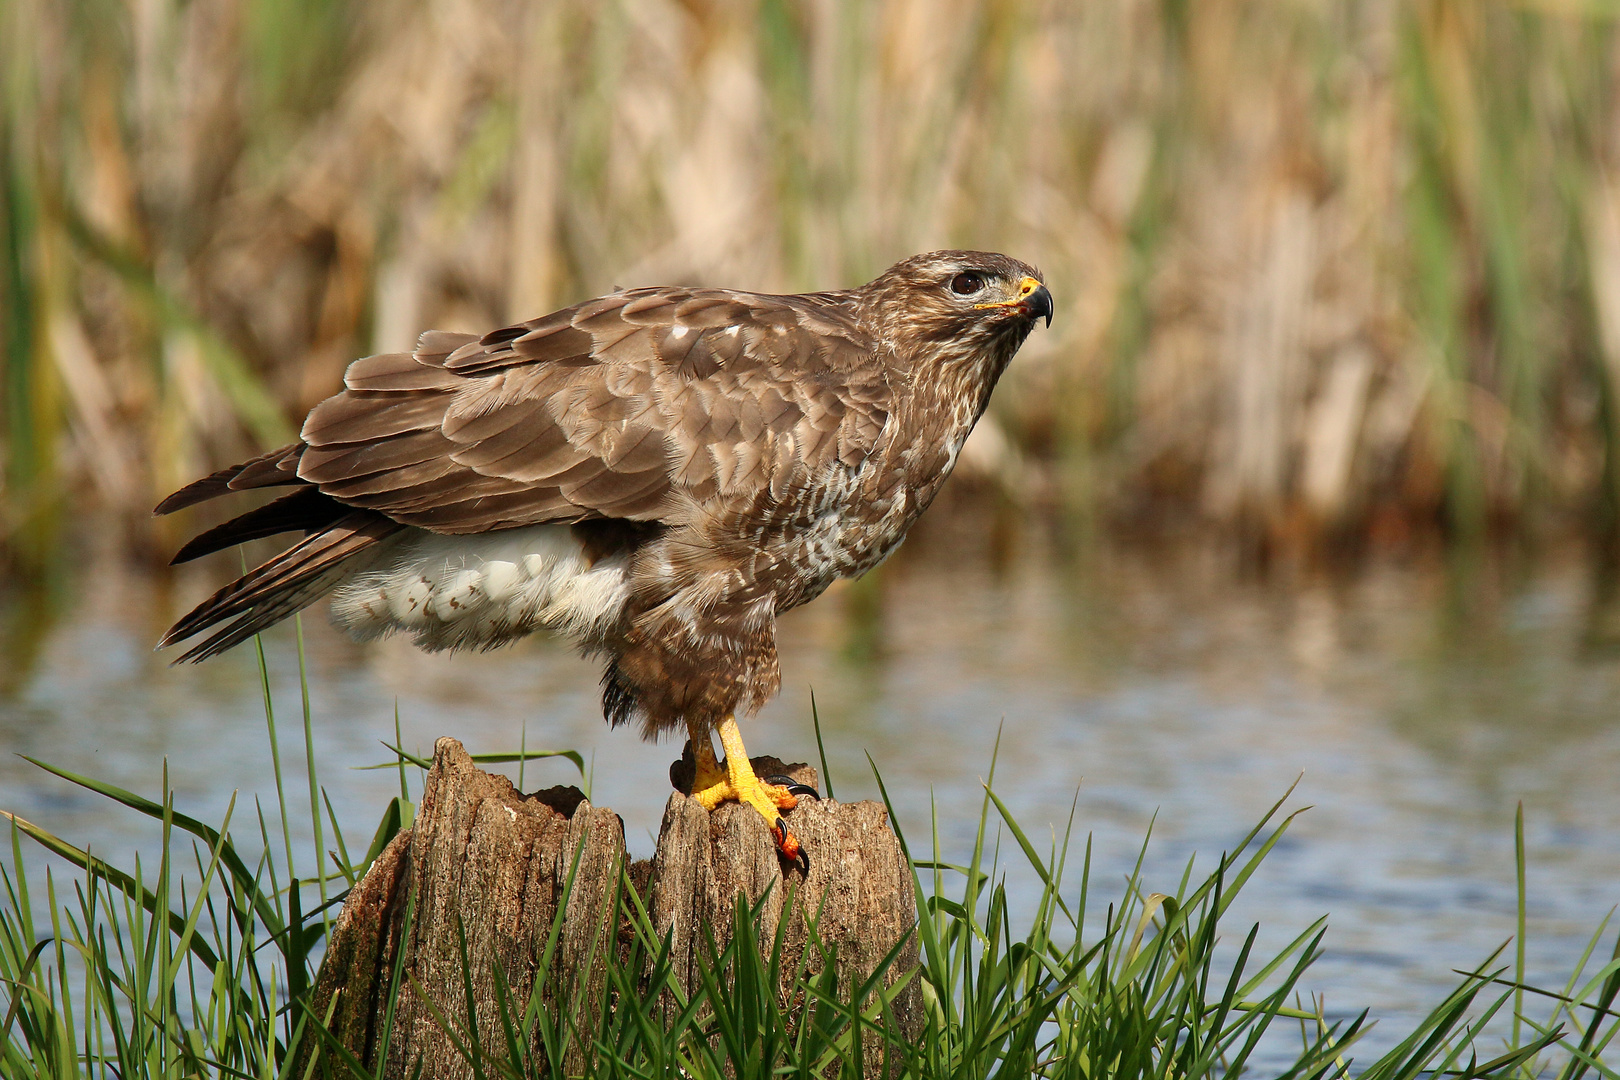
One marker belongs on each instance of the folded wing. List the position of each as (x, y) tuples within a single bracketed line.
[(616, 408)]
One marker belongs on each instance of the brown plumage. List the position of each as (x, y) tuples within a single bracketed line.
[(657, 473)]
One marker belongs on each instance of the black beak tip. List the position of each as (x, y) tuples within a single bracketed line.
[(1040, 305)]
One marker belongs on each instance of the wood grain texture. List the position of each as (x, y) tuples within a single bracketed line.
[(488, 864)]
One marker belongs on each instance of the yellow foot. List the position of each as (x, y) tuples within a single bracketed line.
[(766, 798), (715, 782)]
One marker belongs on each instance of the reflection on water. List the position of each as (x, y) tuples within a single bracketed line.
[(1419, 703)]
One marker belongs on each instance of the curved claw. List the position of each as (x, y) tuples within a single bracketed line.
[(793, 787), (788, 846)]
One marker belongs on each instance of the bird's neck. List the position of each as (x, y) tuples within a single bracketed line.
[(948, 394), (958, 383)]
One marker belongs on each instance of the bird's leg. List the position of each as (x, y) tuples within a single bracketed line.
[(741, 772), (715, 782), (707, 773)]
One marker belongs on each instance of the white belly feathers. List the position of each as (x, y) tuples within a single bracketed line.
[(460, 592)]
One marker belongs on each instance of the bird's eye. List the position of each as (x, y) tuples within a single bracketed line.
[(967, 283)]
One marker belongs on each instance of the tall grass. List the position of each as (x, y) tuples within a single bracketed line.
[(203, 965)]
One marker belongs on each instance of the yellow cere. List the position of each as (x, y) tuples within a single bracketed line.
[(1025, 287)]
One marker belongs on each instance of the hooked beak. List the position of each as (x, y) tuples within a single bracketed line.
[(1033, 300), (1038, 302)]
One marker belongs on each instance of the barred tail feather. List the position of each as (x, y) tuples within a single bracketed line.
[(283, 585)]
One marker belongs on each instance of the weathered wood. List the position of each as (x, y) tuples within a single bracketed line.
[(486, 864)]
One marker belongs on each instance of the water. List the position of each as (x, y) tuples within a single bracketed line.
[(1416, 704)]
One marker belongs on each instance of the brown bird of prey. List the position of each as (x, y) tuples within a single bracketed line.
[(656, 474)]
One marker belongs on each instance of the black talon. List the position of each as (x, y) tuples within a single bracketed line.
[(793, 786), (780, 833)]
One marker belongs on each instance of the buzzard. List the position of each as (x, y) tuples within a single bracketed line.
[(655, 474)]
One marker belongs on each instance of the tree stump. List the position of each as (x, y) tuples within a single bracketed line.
[(483, 865), (487, 866)]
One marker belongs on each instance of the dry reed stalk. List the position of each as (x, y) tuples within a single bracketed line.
[(1305, 254), (1333, 431)]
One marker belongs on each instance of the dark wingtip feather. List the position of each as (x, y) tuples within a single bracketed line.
[(277, 467), (306, 510), (209, 487)]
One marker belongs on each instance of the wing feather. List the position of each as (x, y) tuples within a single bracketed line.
[(401, 373), (359, 456), (379, 416), (391, 484), (541, 461), (629, 406)]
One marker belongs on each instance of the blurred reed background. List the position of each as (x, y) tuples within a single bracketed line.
[(1326, 270)]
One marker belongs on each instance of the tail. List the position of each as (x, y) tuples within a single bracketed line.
[(337, 537)]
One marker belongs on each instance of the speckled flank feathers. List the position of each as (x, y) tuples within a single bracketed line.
[(656, 474), (477, 592)]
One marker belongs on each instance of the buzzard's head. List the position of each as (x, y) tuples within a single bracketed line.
[(957, 305)]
